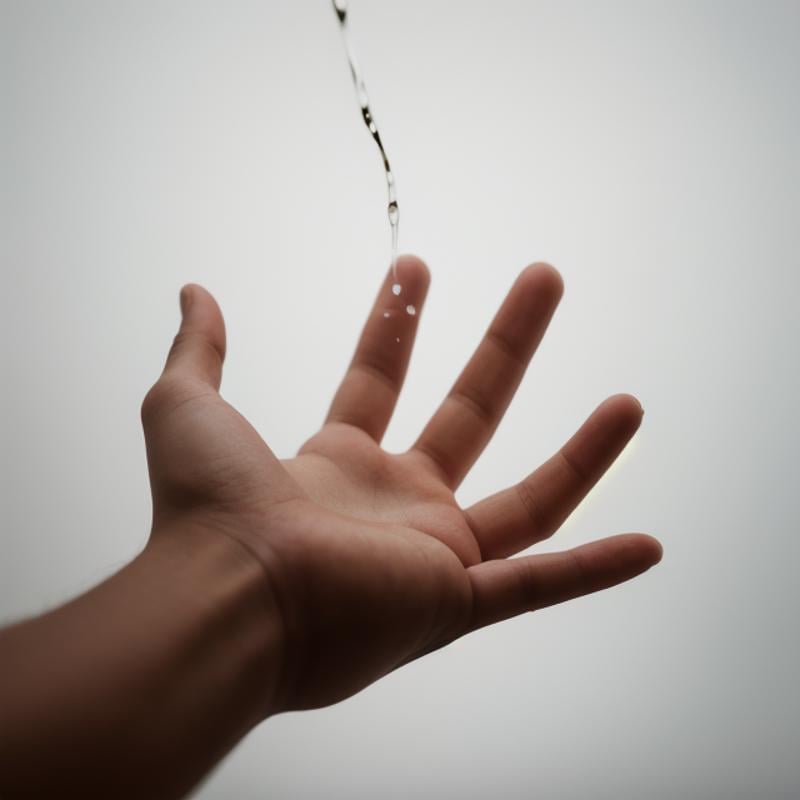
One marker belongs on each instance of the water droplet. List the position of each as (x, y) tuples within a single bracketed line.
[(387, 314), (394, 214), (397, 339), (397, 288), (411, 310)]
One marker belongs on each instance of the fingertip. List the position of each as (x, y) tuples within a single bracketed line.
[(626, 409), (630, 402), (543, 278), (406, 288), (193, 293), (642, 549), (200, 312), (656, 549), (413, 270), (196, 290)]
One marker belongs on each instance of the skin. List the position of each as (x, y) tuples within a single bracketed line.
[(270, 585), (369, 556)]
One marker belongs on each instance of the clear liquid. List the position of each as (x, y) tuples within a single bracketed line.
[(392, 209)]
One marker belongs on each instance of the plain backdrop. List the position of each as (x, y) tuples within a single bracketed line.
[(648, 150)]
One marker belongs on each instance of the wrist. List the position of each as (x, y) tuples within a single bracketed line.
[(229, 604)]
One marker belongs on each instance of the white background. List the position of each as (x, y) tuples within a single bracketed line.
[(648, 150)]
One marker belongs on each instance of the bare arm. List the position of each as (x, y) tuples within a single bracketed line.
[(272, 585), (138, 687)]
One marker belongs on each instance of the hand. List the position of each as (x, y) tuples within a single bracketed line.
[(367, 556)]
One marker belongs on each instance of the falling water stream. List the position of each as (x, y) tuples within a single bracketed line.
[(393, 210)]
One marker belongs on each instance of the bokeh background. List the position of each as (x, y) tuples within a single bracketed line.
[(650, 150)]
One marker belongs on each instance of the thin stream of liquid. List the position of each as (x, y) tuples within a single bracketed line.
[(393, 210)]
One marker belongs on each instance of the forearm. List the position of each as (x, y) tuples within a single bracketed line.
[(137, 688)]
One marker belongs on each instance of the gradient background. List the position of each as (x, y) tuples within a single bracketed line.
[(648, 150)]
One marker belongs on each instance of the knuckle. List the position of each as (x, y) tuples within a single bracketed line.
[(194, 340), (542, 519), (477, 402), (528, 586), (580, 572), (161, 396), (152, 402), (573, 471), (181, 340)]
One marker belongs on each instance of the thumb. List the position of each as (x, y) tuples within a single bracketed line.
[(199, 346)]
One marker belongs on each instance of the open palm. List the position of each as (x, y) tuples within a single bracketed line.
[(367, 555)]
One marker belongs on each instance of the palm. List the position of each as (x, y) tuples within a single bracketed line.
[(343, 469), (370, 551), (382, 549)]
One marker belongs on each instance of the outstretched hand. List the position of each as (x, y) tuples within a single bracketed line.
[(368, 559)]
